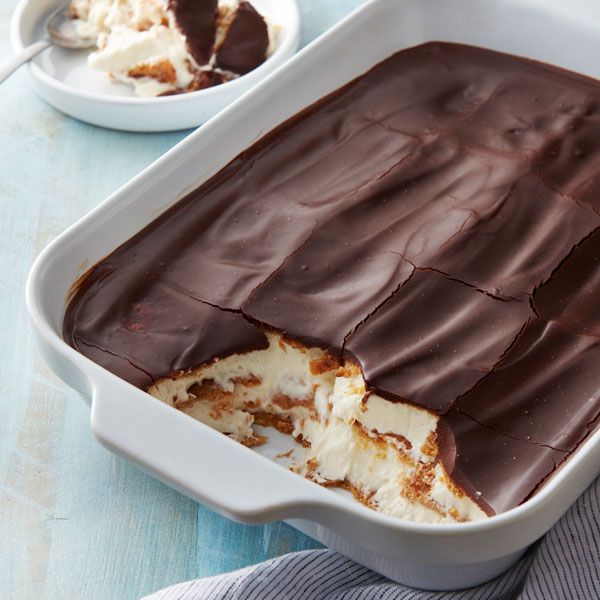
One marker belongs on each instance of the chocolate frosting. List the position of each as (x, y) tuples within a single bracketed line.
[(197, 20), (572, 294), (246, 41), (143, 328), (359, 277), (497, 471), (436, 220), (434, 338), (545, 390)]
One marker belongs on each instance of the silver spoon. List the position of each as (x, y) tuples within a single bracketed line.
[(61, 32)]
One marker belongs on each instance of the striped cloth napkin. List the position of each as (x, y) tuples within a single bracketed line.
[(564, 565)]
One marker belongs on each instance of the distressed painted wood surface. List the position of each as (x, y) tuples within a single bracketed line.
[(76, 521)]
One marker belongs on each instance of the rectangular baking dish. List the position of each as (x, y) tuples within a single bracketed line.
[(211, 468)]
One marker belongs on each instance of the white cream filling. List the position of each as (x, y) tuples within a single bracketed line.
[(343, 454), (350, 403), (442, 493), (124, 50), (136, 34), (352, 437), (100, 16)]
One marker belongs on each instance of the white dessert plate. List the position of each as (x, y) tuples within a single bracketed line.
[(65, 80), (213, 469)]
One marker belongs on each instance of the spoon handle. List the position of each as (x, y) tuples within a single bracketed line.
[(9, 66)]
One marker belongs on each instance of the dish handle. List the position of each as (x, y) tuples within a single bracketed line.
[(199, 461)]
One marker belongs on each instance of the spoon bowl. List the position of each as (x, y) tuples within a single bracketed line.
[(62, 31)]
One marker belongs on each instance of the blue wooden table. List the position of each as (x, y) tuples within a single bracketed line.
[(76, 521)]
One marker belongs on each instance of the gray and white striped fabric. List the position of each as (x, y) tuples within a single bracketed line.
[(564, 565)]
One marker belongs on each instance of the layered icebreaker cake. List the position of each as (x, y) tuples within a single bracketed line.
[(164, 47), (403, 277)]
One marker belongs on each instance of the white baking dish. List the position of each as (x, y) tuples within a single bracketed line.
[(207, 466)]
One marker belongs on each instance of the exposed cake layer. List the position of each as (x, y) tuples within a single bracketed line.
[(384, 452), (170, 46), (434, 222)]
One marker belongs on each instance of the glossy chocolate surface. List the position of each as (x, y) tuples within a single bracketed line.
[(434, 338), (435, 220), (572, 295), (243, 48), (197, 20), (246, 41), (497, 471)]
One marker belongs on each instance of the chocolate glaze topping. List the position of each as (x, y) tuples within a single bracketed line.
[(243, 47), (497, 471), (246, 41), (436, 220), (572, 294), (144, 328), (197, 20), (432, 339)]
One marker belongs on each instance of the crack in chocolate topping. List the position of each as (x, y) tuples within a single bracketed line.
[(120, 365), (437, 220)]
